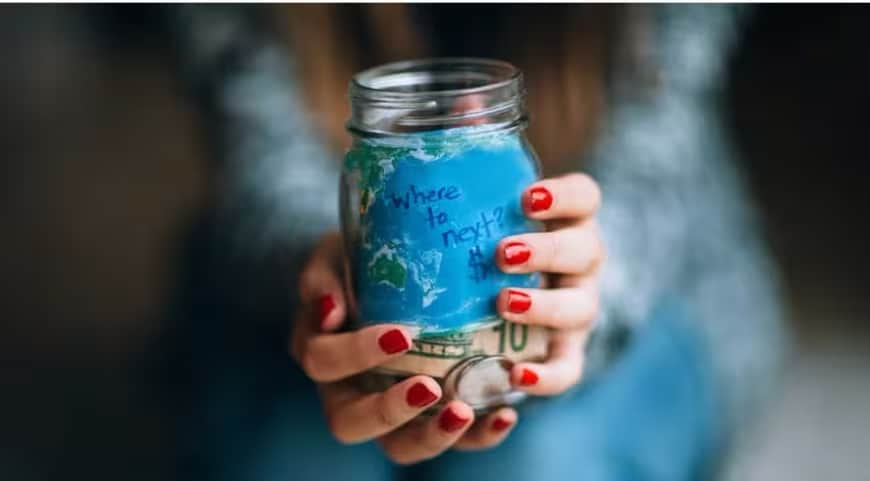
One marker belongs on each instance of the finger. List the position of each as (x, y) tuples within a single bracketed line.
[(420, 441), (466, 110), (320, 284), (372, 415), (329, 357), (574, 250), (489, 431), (565, 308), (302, 330), (562, 369), (570, 196)]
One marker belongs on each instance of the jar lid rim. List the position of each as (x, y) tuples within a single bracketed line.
[(364, 84)]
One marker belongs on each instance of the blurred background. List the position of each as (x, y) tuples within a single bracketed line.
[(104, 167)]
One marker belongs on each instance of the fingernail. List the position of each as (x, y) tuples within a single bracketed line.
[(419, 395), (518, 302), (538, 199), (529, 377), (501, 424), (393, 341), (516, 253), (450, 421), (327, 304)]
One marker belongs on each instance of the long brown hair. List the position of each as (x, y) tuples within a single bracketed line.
[(561, 49)]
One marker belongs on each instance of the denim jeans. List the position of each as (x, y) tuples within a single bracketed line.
[(651, 416)]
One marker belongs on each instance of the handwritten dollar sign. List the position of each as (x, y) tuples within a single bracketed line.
[(477, 263)]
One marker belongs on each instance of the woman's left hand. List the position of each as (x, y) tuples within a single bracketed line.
[(570, 253)]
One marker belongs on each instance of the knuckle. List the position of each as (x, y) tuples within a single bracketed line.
[(307, 278), (432, 447), (396, 451), (594, 305), (596, 197), (602, 253), (311, 365), (335, 427), (473, 446), (577, 374), (600, 248), (491, 441), (557, 314), (586, 184), (592, 255), (567, 383), (360, 348), (559, 388), (552, 248), (385, 415), (398, 456), (594, 263), (589, 310)]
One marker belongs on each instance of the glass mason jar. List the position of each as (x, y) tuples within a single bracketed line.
[(431, 184)]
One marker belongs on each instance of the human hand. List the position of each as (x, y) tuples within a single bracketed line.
[(391, 417), (570, 253)]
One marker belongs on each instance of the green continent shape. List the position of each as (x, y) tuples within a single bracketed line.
[(389, 270), (367, 159)]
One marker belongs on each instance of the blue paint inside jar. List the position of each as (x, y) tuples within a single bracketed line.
[(422, 215)]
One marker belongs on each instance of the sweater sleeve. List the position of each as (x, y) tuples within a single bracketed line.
[(676, 217)]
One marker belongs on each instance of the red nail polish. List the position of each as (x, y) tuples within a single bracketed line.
[(528, 378), (450, 421), (518, 302), (538, 199), (419, 395), (516, 253), (501, 424), (393, 341), (327, 304)]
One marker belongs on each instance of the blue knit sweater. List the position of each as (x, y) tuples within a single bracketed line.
[(676, 217)]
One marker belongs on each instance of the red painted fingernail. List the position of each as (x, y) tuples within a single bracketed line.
[(538, 199), (501, 424), (516, 253), (393, 341), (327, 304), (450, 421), (518, 302), (419, 395), (529, 377)]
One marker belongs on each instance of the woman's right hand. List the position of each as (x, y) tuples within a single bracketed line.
[(331, 358)]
